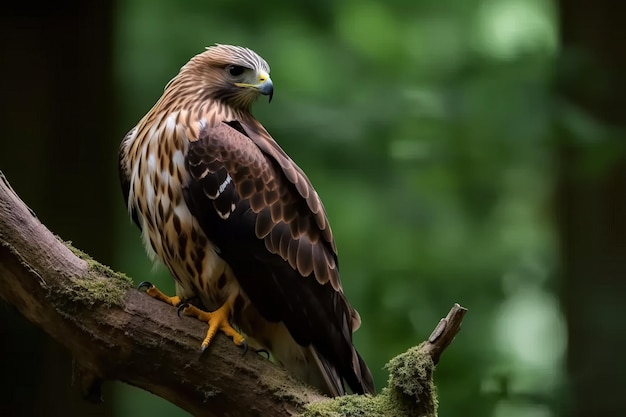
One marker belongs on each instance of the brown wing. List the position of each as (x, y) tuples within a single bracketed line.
[(265, 218)]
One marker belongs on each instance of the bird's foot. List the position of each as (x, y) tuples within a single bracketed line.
[(154, 292), (217, 320)]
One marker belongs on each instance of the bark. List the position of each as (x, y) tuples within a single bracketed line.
[(115, 332)]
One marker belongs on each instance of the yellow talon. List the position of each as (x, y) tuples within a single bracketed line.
[(217, 320), (154, 292)]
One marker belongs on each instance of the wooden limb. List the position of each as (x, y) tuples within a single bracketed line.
[(118, 333), (444, 333)]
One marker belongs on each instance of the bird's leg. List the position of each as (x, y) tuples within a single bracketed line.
[(217, 320), (154, 292)]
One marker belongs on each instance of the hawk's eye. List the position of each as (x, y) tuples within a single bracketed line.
[(235, 70)]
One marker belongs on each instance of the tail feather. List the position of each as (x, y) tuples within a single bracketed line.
[(357, 376), (331, 378), (364, 383)]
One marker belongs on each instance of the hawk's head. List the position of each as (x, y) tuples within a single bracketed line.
[(232, 74)]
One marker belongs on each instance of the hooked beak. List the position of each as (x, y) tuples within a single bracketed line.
[(264, 85), (266, 88)]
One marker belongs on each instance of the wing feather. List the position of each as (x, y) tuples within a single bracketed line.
[(260, 209), (264, 223), (304, 260), (293, 173)]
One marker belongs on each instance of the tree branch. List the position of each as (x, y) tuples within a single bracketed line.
[(117, 333)]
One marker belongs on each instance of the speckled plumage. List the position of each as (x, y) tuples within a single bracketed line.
[(235, 220)]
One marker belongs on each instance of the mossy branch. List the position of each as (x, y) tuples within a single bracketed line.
[(410, 390), (117, 333)]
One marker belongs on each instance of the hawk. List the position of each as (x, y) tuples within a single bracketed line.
[(238, 223)]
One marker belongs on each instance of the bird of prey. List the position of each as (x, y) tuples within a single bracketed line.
[(238, 223)]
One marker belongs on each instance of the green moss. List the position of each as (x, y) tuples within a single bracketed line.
[(411, 382), (101, 285), (349, 406), (75, 251), (410, 392), (382, 405)]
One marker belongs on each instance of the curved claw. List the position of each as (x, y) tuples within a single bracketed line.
[(183, 305), (144, 285), (244, 346), (263, 351)]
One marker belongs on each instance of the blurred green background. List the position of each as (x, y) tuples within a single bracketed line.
[(467, 151)]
